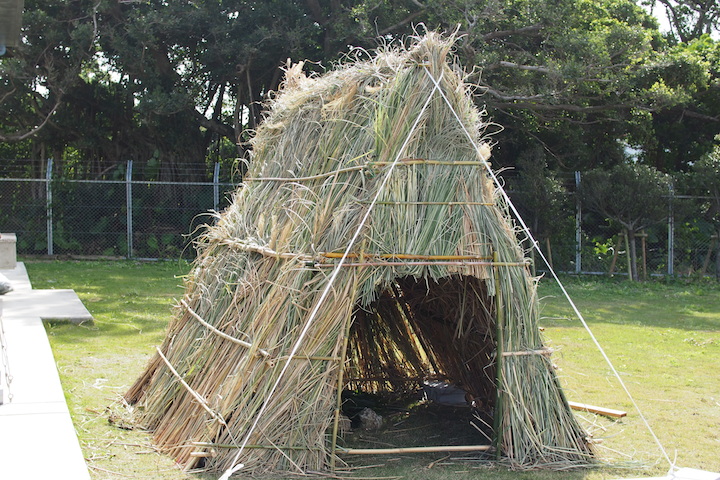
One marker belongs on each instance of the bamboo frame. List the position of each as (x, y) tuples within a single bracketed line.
[(252, 446), (217, 332), (485, 204), (439, 262), (392, 451), (249, 278), (499, 343), (404, 161), (339, 389), (201, 401), (540, 351), (405, 256)]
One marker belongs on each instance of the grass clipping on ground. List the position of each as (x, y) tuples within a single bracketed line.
[(320, 159)]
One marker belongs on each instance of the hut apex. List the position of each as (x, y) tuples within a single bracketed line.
[(368, 253)]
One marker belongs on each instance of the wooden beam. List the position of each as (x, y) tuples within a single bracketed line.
[(608, 412)]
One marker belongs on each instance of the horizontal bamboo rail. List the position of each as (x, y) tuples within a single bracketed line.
[(440, 262), (405, 256), (386, 451), (540, 351), (265, 251), (265, 447), (355, 168), (486, 204)]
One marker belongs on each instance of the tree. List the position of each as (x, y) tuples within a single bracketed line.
[(704, 180), (177, 81), (631, 195), (689, 19), (682, 91), (540, 197)]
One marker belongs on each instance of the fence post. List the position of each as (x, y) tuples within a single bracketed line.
[(216, 187), (578, 226), (128, 205), (671, 232), (48, 205)]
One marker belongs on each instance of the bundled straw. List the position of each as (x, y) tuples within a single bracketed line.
[(420, 295)]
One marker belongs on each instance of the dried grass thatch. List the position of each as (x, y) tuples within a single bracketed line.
[(435, 283)]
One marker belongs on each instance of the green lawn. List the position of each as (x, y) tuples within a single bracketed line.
[(663, 338)]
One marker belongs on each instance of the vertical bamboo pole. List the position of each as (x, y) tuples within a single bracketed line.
[(499, 347), (340, 385)]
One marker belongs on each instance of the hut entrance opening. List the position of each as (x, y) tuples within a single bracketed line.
[(426, 348)]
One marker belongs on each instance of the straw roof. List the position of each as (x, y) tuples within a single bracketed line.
[(373, 161)]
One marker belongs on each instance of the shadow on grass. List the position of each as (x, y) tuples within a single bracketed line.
[(130, 301), (692, 305)]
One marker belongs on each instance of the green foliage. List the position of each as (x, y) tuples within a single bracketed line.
[(172, 81), (631, 195)]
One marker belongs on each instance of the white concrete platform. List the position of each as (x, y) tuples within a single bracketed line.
[(37, 437)]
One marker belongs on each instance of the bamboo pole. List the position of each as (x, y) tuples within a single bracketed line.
[(340, 386), (541, 351), (499, 341), (201, 401), (405, 256), (482, 204), (253, 446), (406, 161), (440, 262), (386, 451), (217, 332)]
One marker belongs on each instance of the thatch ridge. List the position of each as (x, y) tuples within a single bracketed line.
[(319, 159)]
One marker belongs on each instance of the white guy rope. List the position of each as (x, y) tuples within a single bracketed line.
[(237, 466), (527, 232)]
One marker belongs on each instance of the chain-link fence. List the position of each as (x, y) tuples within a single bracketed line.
[(122, 214), (134, 213)]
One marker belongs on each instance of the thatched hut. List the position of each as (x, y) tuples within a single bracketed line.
[(369, 248)]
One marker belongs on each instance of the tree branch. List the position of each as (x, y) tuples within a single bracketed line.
[(701, 116), (529, 30), (214, 125), (22, 136), (402, 22), (532, 68)]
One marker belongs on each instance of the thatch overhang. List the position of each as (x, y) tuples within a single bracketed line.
[(372, 177)]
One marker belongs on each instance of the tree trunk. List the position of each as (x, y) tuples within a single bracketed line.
[(717, 257), (633, 255)]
